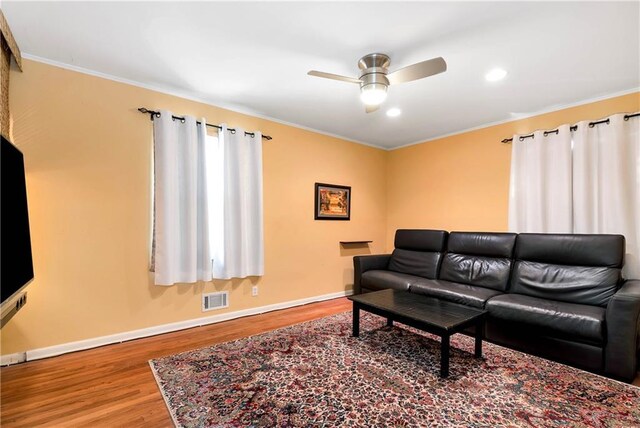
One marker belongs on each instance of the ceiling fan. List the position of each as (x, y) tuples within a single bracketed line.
[(375, 79)]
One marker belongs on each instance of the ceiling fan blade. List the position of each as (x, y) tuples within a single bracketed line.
[(371, 109), (333, 76), (418, 71)]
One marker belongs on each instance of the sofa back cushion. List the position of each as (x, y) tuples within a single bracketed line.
[(418, 252), (581, 269), (482, 259)]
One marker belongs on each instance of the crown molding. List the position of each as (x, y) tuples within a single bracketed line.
[(551, 109), (249, 112), (187, 96)]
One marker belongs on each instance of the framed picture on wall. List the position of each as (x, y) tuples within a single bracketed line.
[(332, 202)]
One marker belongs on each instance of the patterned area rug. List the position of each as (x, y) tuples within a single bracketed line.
[(316, 374)]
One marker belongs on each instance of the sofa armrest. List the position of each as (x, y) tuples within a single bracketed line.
[(623, 323), (361, 264)]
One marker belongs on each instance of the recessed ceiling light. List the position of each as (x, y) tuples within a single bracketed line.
[(495, 75), (393, 112)]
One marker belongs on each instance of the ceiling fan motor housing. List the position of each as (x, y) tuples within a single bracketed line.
[(374, 69), (377, 60)]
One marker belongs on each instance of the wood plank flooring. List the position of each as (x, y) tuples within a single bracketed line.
[(113, 386)]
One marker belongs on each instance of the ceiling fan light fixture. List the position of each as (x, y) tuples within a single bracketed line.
[(373, 94)]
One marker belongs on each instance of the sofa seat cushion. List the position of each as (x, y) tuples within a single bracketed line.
[(383, 279), (465, 294), (582, 323)]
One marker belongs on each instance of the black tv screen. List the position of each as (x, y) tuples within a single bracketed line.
[(17, 264)]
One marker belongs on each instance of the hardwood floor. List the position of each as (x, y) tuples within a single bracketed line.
[(113, 385)]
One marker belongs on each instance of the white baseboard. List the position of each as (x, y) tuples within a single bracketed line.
[(16, 358), (52, 351)]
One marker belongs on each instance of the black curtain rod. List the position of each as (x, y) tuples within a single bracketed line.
[(153, 114), (572, 128)]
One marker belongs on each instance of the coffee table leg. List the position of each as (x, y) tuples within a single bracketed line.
[(479, 326), (389, 322), (444, 356), (356, 320)]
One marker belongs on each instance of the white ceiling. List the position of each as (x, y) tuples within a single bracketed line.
[(253, 57)]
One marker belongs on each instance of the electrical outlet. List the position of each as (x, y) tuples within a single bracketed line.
[(254, 290)]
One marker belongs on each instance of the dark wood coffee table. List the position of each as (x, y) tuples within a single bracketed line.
[(425, 313)]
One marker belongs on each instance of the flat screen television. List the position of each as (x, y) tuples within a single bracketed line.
[(16, 270)]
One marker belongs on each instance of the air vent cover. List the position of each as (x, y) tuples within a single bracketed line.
[(218, 300)]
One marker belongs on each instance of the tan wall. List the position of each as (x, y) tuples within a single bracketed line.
[(88, 154), (461, 182)]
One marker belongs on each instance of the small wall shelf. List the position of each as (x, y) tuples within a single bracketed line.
[(355, 242)]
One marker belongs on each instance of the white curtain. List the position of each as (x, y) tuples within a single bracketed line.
[(540, 187), (235, 175), (606, 176), (181, 226)]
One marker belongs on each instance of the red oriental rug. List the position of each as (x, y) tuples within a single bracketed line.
[(316, 374)]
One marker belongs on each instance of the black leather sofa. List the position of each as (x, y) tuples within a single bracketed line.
[(559, 296)]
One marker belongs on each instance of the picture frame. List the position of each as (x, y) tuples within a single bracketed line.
[(332, 202)]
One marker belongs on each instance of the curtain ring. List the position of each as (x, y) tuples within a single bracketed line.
[(182, 120), (545, 133), (158, 114), (626, 118), (591, 124), (608, 121), (521, 138), (233, 131)]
